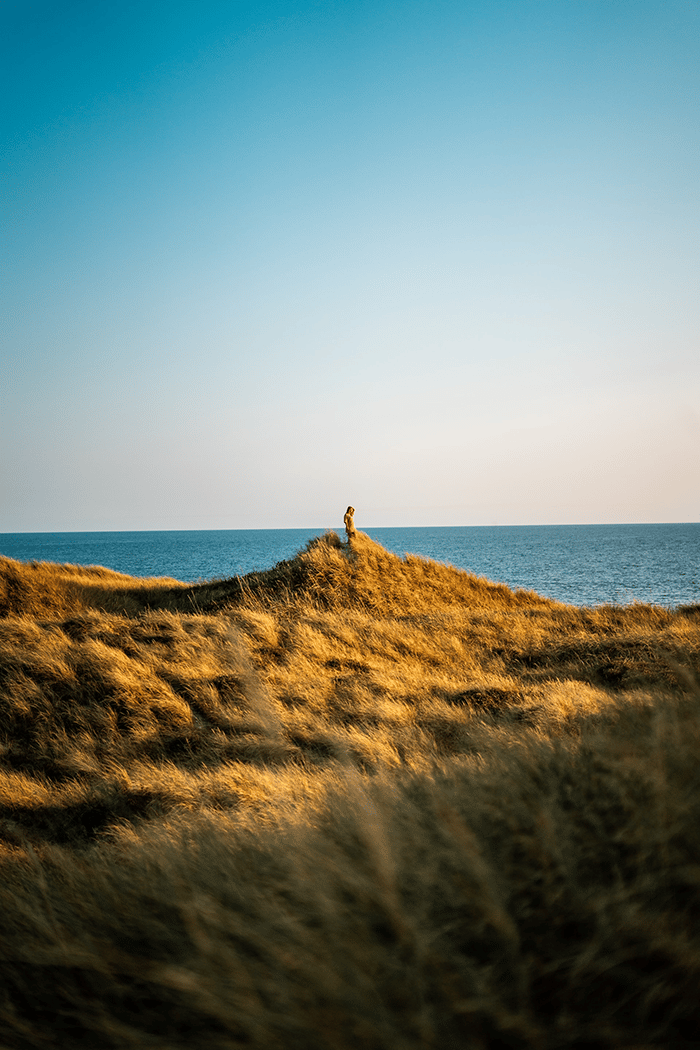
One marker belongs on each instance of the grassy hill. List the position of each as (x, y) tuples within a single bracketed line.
[(352, 801)]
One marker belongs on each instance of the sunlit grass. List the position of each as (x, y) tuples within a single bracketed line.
[(356, 800)]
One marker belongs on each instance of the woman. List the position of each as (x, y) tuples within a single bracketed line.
[(349, 523)]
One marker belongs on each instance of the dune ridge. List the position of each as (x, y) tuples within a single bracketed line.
[(354, 800)]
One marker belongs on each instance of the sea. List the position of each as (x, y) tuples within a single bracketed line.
[(578, 564)]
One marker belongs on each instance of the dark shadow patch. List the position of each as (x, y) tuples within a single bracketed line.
[(80, 822), (486, 699), (356, 666), (312, 744)]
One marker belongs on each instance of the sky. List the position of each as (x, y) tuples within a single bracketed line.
[(435, 258)]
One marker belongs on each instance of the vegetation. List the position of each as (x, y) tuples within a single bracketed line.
[(353, 801)]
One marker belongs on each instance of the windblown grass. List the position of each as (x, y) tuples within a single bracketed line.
[(356, 800)]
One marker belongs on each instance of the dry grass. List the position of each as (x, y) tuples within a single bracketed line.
[(356, 800)]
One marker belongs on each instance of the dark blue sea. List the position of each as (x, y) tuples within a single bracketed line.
[(579, 564)]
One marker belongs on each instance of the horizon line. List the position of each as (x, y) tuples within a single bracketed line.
[(339, 528)]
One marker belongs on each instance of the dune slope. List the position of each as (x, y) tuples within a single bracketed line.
[(356, 800)]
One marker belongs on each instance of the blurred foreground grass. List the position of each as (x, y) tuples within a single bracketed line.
[(353, 801)]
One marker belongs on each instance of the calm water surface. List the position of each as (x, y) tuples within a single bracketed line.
[(581, 564)]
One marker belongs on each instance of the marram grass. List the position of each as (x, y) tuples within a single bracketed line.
[(354, 801)]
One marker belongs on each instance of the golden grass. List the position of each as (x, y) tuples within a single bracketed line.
[(356, 800)]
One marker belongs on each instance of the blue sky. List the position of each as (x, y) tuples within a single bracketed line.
[(436, 259)]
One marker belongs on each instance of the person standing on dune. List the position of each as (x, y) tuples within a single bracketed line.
[(349, 523)]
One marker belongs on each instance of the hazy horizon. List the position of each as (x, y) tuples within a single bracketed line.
[(264, 259), (365, 527)]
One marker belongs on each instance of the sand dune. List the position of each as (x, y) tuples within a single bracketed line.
[(355, 800)]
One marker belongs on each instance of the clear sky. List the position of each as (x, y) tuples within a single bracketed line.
[(435, 258)]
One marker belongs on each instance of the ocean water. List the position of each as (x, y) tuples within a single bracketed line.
[(579, 564)]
